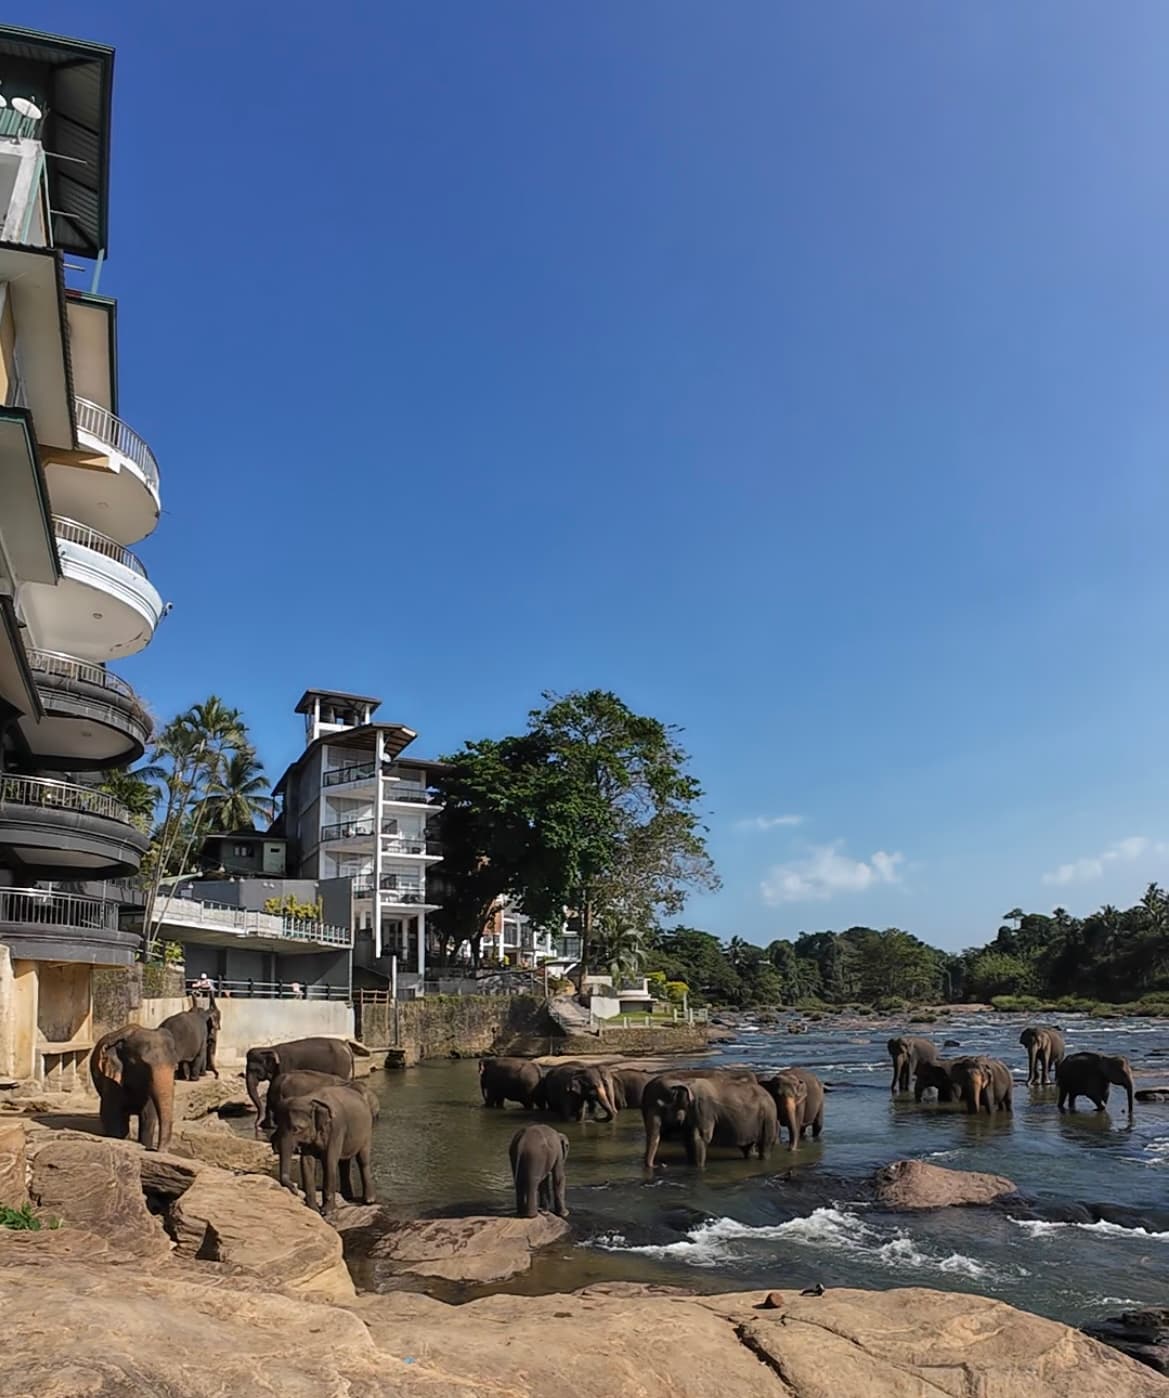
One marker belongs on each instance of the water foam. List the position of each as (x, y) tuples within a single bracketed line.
[(713, 1243), (1041, 1228)]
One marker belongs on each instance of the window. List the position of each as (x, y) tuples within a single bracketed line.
[(241, 851)]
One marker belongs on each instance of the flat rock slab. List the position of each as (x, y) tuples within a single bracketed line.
[(914, 1184), (77, 1326), (475, 1249), (254, 1223), (223, 1096), (223, 1148)]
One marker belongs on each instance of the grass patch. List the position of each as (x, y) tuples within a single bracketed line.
[(23, 1220)]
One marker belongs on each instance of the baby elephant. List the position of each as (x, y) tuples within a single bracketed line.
[(537, 1157), (333, 1125)]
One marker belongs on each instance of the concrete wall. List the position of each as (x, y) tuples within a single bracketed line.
[(18, 1016), (250, 1022)]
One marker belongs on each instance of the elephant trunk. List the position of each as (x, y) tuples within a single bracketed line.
[(1128, 1087), (162, 1096), (603, 1100)]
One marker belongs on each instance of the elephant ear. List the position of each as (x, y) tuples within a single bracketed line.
[(109, 1060), (681, 1097), (322, 1117)]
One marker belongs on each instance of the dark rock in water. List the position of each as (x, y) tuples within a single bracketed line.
[(1046, 1211), (682, 1219), (1151, 1220), (1153, 1094), (1142, 1335), (952, 1043)]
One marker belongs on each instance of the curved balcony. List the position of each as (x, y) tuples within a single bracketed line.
[(93, 719), (59, 830), (118, 492), (104, 605), (42, 925)]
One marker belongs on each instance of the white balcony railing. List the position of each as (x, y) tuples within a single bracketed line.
[(50, 662), (47, 908), (74, 533), (99, 422), (221, 917)]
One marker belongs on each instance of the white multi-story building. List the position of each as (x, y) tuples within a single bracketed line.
[(78, 487), (354, 807)]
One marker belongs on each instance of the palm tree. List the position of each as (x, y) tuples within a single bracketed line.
[(235, 794), (136, 791), (621, 952)]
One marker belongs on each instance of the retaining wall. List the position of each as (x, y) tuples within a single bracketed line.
[(442, 1025)]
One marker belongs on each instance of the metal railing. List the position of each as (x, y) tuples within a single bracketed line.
[(268, 990), (405, 844), (405, 892), (47, 908), (75, 533), (359, 771), (51, 662), (101, 423), (399, 791), (347, 830), (194, 912), (61, 796)]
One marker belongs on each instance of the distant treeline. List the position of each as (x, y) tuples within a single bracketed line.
[(1113, 955)]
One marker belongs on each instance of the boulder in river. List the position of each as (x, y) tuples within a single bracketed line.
[(1142, 1334), (914, 1184), (1152, 1094)]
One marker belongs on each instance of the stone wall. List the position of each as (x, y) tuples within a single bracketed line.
[(118, 993), (441, 1025)]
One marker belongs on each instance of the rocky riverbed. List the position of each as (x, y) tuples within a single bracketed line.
[(195, 1274)]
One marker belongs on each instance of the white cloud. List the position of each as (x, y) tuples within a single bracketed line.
[(825, 872), (1093, 866), (768, 822)]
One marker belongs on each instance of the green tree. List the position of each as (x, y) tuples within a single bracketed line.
[(235, 795), (136, 792), (591, 811)]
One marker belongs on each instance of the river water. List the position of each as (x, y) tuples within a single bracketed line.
[(794, 1220)]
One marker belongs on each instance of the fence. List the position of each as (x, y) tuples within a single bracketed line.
[(266, 990)]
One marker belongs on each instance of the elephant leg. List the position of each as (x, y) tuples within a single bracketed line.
[(896, 1075), (544, 1194), (308, 1179), (558, 1182), (115, 1115), (818, 1124), (697, 1151), (345, 1179), (653, 1139), (331, 1167), (368, 1193), (148, 1126)]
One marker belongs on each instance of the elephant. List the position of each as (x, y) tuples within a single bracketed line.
[(319, 1055), (907, 1052), (133, 1070), (1045, 1049), (724, 1109), (537, 1154), (508, 1080), (195, 1032), (628, 1086), (799, 1102), (300, 1083), (568, 1088), (982, 1082), (335, 1126), (1089, 1075), (935, 1074)]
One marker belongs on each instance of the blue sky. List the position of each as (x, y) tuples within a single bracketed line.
[(798, 372)]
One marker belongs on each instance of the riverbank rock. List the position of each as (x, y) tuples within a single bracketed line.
[(223, 1096), (223, 1148), (93, 1185), (1152, 1094), (914, 1184), (477, 1249), (138, 1336), (256, 1224), (13, 1165), (1142, 1334)]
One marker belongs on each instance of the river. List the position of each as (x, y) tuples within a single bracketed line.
[(794, 1220)]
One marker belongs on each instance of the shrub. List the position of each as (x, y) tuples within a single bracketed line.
[(172, 953), (891, 1005), (24, 1220), (923, 1019), (676, 991), (291, 906), (1016, 1004)]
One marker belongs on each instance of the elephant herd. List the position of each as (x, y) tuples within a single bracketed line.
[(314, 1106), (699, 1107), (983, 1083)]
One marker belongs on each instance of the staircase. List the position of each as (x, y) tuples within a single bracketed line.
[(571, 1017)]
